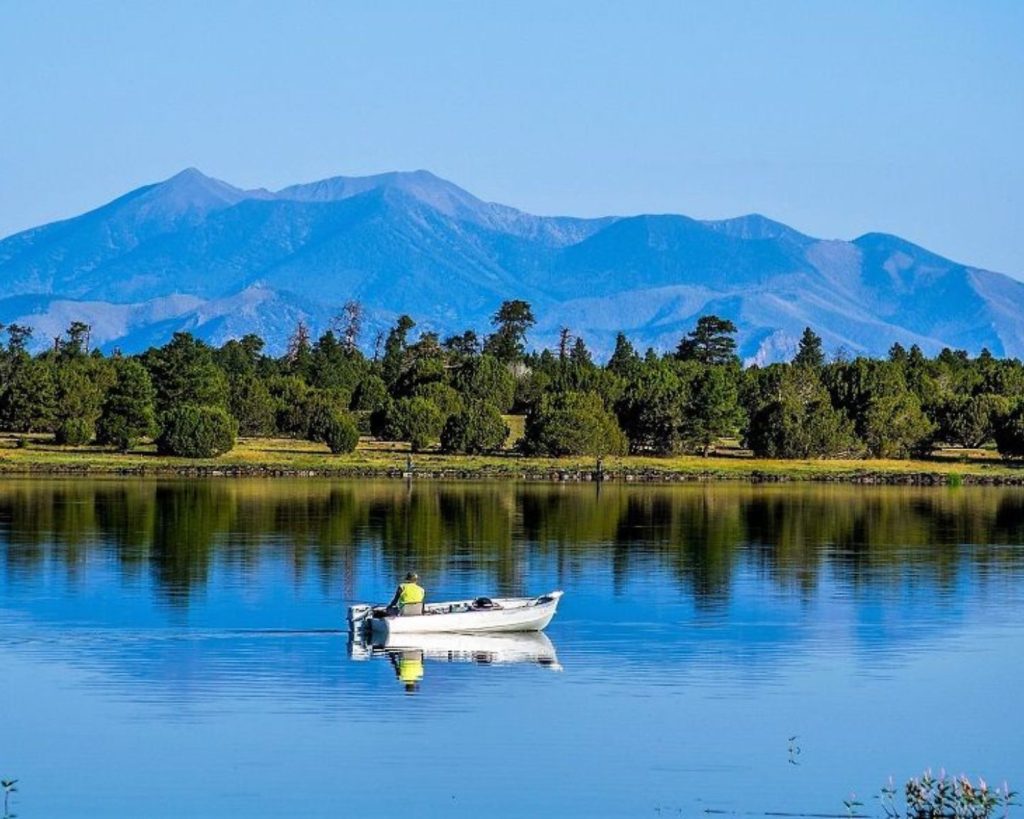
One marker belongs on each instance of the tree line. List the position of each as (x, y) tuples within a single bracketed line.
[(194, 399)]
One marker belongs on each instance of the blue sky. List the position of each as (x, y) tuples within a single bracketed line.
[(836, 118)]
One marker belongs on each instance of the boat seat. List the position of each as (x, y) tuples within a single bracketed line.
[(410, 609)]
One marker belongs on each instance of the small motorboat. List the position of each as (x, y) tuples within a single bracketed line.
[(482, 615)]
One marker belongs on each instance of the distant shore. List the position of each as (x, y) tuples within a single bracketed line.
[(285, 457)]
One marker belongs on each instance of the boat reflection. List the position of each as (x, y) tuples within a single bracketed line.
[(409, 653)]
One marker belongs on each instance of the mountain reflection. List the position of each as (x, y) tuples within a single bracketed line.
[(174, 532)]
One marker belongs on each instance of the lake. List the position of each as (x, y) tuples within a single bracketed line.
[(178, 648)]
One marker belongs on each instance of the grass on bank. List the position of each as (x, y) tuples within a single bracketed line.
[(20, 454)]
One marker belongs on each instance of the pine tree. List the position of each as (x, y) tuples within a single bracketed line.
[(710, 343), (128, 412), (810, 353)]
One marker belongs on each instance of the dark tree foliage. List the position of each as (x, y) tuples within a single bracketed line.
[(184, 372), (421, 390), (652, 405), (463, 346), (128, 413), (887, 416), (793, 417), (713, 410), (371, 394), (240, 357), (290, 410), (77, 340), (573, 423), (190, 431), (29, 401), (624, 361), (809, 352), (393, 364), (484, 378), (252, 406), (320, 409), (970, 421), (333, 366), (79, 395), (416, 420), (511, 322), (710, 343), (1009, 433), (477, 429)]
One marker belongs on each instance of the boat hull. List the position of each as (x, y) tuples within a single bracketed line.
[(509, 615)]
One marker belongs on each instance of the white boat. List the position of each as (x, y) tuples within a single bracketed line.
[(484, 649), (482, 615)]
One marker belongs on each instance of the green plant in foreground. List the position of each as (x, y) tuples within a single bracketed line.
[(942, 797)]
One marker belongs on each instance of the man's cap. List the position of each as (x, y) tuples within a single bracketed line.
[(412, 576)]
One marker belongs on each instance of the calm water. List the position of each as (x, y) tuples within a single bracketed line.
[(178, 648)]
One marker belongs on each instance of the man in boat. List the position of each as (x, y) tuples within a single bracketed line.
[(408, 597)]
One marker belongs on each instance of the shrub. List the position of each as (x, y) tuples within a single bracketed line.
[(196, 432), (74, 431), (322, 408), (573, 423), (341, 434), (478, 428), (416, 420)]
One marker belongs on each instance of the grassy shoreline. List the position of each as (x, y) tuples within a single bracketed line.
[(282, 457)]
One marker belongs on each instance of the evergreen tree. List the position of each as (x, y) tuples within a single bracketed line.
[(713, 411), (184, 372), (30, 398), (486, 379), (810, 353), (795, 418), (79, 397), (252, 406), (128, 412), (393, 363), (1009, 433), (651, 407), (624, 360), (710, 343), (464, 346), (511, 322)]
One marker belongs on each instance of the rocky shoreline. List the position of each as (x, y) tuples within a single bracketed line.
[(553, 475)]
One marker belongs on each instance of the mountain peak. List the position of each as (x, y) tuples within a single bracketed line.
[(756, 226), (423, 185)]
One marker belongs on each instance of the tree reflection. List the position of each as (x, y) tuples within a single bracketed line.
[(702, 535)]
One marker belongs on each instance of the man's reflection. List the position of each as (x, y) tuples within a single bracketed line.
[(408, 665)]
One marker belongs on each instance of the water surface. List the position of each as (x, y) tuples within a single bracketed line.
[(178, 648)]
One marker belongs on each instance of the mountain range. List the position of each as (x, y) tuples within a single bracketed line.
[(194, 253)]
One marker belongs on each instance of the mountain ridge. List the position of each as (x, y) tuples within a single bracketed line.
[(194, 252)]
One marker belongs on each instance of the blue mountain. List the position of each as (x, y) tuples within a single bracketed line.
[(194, 253)]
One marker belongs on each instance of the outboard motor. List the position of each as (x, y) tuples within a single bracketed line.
[(357, 616)]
